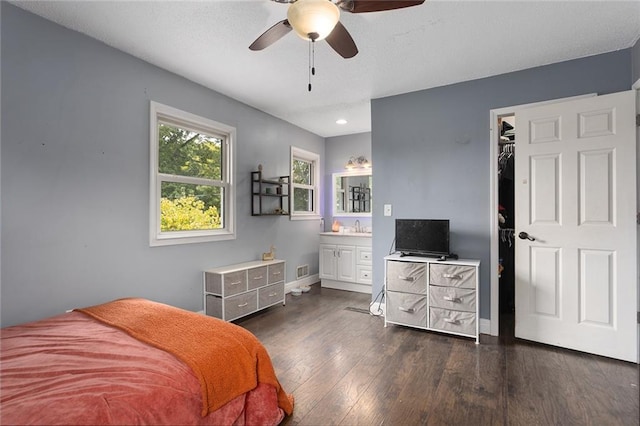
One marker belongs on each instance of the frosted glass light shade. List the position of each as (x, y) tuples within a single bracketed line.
[(313, 16)]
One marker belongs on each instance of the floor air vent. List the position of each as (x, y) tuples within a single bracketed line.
[(360, 310), (302, 271)]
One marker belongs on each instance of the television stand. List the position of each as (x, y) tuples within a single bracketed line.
[(433, 294), (438, 257)]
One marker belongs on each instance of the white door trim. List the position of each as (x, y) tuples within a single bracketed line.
[(494, 138)]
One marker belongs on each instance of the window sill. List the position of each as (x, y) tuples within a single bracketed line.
[(305, 217)]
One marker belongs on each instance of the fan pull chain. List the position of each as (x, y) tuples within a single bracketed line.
[(312, 60)]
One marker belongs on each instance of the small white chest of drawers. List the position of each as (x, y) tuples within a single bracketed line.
[(433, 295), (234, 291)]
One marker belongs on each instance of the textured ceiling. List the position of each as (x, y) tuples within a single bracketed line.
[(437, 43)]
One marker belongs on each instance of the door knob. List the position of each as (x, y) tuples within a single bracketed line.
[(525, 236)]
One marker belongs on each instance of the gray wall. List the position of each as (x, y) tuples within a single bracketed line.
[(431, 150), (635, 62), (338, 150), (75, 176)]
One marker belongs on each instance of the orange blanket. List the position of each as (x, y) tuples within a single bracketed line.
[(227, 359)]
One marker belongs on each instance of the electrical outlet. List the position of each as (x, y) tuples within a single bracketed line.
[(387, 209)]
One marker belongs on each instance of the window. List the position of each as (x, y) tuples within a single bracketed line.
[(305, 175), (191, 193)]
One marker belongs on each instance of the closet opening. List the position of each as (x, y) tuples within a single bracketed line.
[(506, 224)]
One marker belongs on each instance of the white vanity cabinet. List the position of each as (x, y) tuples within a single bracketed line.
[(433, 295), (345, 261), (234, 291)]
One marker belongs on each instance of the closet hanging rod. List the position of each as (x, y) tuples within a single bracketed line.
[(506, 142)]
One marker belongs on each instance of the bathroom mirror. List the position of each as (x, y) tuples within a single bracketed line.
[(352, 193)]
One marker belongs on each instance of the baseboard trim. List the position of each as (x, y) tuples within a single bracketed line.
[(309, 280), (342, 285), (485, 326)]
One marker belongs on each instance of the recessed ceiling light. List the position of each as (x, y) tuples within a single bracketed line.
[(341, 121)]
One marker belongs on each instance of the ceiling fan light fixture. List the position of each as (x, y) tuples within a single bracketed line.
[(317, 17)]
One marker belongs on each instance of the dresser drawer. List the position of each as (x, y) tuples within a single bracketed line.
[(213, 283), (257, 277), (276, 273), (363, 274), (242, 304), (214, 306), (452, 275), (270, 295), (405, 308), (460, 299), (450, 320), (407, 276), (364, 256), (235, 282)]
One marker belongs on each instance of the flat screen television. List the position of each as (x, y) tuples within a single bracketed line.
[(422, 237)]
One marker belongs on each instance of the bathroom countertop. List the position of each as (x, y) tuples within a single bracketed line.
[(349, 234)]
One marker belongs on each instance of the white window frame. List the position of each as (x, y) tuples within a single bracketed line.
[(301, 154), (174, 116)]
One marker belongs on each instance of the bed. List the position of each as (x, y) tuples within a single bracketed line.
[(134, 361)]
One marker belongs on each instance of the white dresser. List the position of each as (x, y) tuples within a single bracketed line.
[(234, 291), (346, 261), (433, 295)]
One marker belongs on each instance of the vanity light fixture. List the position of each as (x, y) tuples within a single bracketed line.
[(341, 121), (358, 162)]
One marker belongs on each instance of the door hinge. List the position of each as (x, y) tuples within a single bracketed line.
[(638, 218), (637, 120), (638, 317)]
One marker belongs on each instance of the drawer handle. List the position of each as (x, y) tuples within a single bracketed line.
[(452, 276), (236, 283), (401, 277), (258, 277), (452, 299), (277, 273), (273, 294), (452, 321), (408, 310), (243, 305)]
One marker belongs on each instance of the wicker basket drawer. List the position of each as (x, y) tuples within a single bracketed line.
[(213, 283), (276, 273), (460, 299), (270, 295), (407, 276), (214, 306), (450, 320), (452, 275), (235, 282), (406, 308), (240, 305), (257, 277)]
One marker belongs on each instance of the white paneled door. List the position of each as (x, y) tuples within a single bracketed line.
[(575, 190)]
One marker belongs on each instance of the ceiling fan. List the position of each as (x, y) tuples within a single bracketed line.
[(315, 20)]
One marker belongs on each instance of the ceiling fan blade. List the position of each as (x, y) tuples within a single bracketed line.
[(362, 6), (340, 40), (272, 35)]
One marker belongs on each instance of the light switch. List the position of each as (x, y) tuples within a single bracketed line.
[(387, 209)]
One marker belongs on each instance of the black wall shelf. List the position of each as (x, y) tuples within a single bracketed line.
[(269, 197)]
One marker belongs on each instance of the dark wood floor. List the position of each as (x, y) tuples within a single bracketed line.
[(343, 367)]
